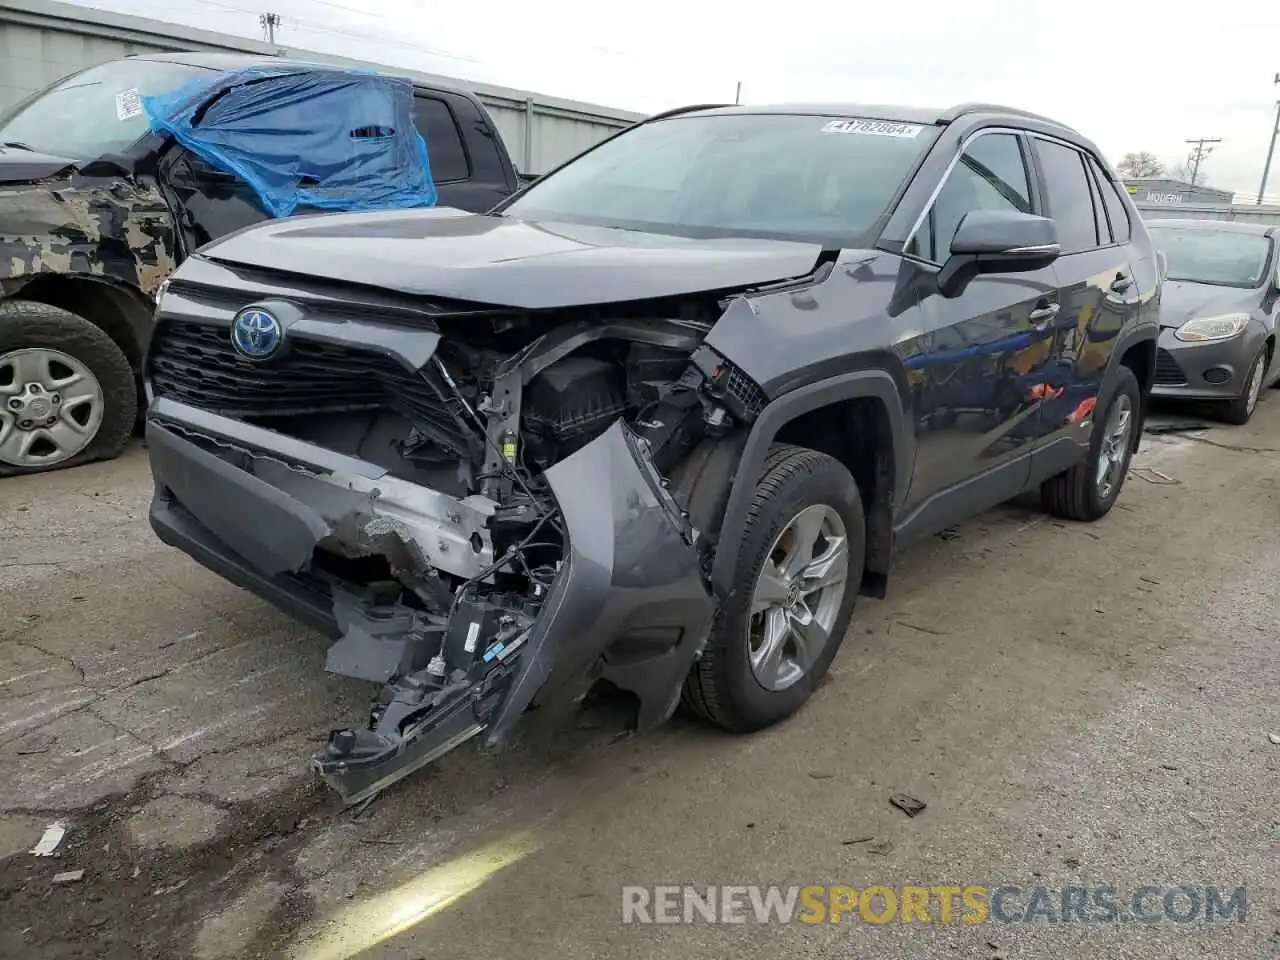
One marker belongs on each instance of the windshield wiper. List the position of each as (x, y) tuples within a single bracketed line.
[(14, 145)]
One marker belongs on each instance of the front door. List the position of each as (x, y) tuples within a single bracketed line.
[(979, 382), (210, 203), (1099, 292)]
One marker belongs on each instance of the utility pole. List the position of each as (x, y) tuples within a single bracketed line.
[(1266, 167), (737, 97), (269, 22), (1202, 149)]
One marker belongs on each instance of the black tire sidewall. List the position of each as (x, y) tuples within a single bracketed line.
[(828, 483), (1238, 412), (31, 325)]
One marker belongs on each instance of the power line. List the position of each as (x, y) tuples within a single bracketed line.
[(404, 44)]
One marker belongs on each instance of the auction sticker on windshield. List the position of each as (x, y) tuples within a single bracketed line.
[(128, 104), (875, 128)]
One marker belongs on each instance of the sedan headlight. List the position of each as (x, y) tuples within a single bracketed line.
[(1201, 329)]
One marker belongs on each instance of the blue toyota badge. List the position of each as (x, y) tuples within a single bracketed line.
[(256, 334)]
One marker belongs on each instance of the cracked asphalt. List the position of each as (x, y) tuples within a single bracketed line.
[(1077, 705)]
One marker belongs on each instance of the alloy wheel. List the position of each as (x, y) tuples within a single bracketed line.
[(797, 596), (1113, 453)]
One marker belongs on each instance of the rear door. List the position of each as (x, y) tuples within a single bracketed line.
[(464, 151), (1098, 289)]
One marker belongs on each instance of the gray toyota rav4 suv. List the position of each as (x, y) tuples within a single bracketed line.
[(658, 419)]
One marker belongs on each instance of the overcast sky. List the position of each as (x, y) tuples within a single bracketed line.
[(1129, 79)]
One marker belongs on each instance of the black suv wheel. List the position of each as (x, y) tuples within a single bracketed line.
[(796, 581), (1089, 489)]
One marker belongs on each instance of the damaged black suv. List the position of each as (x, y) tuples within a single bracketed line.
[(656, 420)]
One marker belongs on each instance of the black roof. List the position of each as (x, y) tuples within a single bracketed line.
[(929, 116), (1218, 226), (238, 61)]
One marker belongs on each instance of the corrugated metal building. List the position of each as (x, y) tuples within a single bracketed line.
[(1244, 212), (42, 40), (1165, 191)]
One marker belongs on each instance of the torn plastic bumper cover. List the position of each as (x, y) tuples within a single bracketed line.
[(628, 601)]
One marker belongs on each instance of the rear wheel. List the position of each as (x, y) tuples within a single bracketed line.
[(1240, 409), (797, 577), (1089, 489), (67, 392)]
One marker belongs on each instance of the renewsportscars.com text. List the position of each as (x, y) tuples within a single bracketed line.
[(943, 903)]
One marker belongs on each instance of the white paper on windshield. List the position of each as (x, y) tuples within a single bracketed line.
[(128, 104), (874, 128)]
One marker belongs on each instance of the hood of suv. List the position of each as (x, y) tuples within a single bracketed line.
[(24, 166), (503, 262), (1181, 300)]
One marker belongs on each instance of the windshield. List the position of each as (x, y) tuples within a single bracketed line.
[(808, 178), (1218, 257), (94, 112)]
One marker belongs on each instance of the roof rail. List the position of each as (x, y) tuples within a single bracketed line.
[(963, 109), (676, 111)]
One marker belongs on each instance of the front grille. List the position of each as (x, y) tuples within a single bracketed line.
[(1168, 373), (196, 364)]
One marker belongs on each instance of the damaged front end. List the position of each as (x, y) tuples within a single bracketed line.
[(474, 503)]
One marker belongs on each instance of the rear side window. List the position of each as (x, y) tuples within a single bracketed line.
[(1069, 196), (1117, 213), (990, 175), (436, 123)]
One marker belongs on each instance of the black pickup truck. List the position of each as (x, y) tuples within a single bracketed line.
[(97, 209)]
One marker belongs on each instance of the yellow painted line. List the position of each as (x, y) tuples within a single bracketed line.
[(363, 925)]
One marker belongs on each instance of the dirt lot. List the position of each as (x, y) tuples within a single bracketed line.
[(1077, 706)]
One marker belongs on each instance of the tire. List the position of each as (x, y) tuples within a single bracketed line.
[(1077, 494), (723, 687), (1239, 410), (29, 326)]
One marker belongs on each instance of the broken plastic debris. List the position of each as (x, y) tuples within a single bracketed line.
[(908, 805), (1152, 476), (53, 835), (70, 876)]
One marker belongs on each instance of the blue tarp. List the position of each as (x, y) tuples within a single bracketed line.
[(320, 138)]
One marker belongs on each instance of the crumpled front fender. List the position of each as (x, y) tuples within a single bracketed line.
[(109, 228), (631, 590)]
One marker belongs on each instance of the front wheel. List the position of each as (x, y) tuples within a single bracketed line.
[(1239, 410), (1089, 489), (797, 577), (67, 392)]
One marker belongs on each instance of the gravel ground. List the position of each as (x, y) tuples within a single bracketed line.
[(1077, 705)]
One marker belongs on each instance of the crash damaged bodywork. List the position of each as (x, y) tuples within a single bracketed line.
[(471, 498), (111, 228)]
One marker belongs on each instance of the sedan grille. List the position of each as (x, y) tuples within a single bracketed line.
[(1168, 373), (197, 365)]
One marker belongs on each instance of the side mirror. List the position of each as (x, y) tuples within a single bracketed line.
[(205, 172), (997, 241), (1162, 264), (1275, 274)]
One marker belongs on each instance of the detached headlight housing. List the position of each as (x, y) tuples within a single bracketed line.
[(1203, 329)]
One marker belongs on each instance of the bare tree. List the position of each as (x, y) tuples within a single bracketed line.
[(1140, 163), (1181, 170)]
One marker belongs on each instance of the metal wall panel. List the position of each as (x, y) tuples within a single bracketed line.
[(1244, 212), (42, 40)]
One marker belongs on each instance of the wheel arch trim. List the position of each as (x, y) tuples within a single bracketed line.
[(877, 384)]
